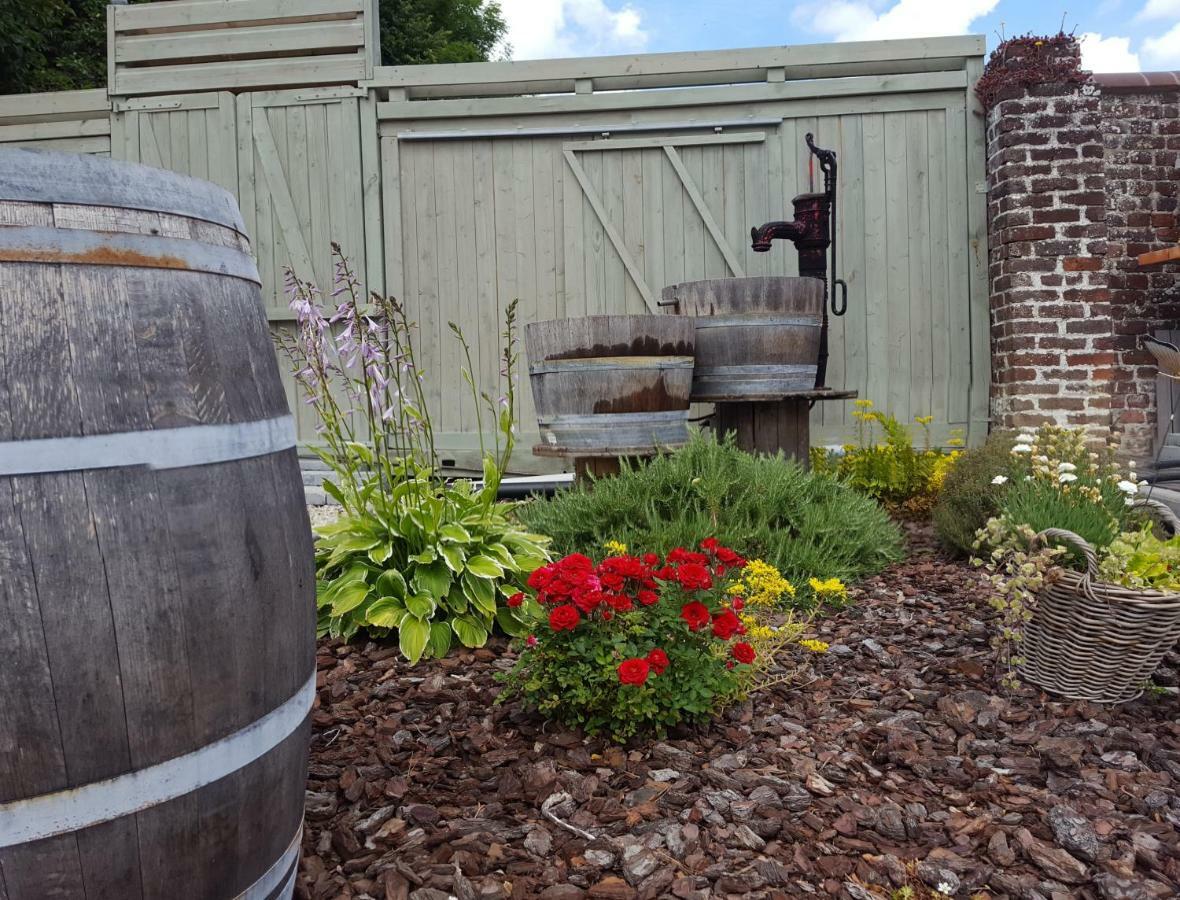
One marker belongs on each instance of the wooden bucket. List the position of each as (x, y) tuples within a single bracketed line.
[(757, 338), (611, 385), (157, 659)]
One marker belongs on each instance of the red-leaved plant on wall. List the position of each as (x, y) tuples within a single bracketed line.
[(635, 643)]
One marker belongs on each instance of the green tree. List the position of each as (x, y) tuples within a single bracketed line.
[(52, 45), (439, 31), (58, 45)]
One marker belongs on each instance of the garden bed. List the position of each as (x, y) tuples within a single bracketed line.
[(897, 761)]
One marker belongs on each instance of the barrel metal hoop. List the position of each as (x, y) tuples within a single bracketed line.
[(605, 363), (47, 176), (76, 246), (756, 321), (763, 370), (280, 876), (605, 430), (73, 809), (164, 448)]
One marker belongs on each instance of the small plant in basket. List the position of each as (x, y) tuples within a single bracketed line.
[(1071, 583), (642, 643)]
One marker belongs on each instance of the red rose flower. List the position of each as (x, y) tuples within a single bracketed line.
[(647, 598), (564, 618), (587, 600), (658, 660), (680, 555), (696, 615), (731, 559), (516, 599), (743, 653), (726, 624), (739, 604), (634, 671), (710, 545), (650, 560), (665, 573), (694, 577), (532, 641), (619, 602)]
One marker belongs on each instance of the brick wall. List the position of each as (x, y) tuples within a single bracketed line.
[(1081, 176), (1141, 140)]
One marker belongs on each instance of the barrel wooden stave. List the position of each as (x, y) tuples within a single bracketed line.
[(769, 343), (151, 611), (603, 384)]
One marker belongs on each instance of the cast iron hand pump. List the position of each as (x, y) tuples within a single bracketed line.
[(813, 231)]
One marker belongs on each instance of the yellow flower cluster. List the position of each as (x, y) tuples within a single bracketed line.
[(830, 589), (615, 548), (942, 465), (762, 584), (814, 646), (757, 631)]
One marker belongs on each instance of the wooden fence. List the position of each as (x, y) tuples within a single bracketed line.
[(578, 186)]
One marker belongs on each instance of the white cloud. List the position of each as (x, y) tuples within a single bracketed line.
[(544, 29), (1160, 9), (1108, 54), (856, 20), (1163, 52)]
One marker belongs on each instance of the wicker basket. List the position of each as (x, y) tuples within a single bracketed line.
[(1092, 640)]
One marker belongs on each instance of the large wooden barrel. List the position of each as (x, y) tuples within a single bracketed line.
[(156, 589), (610, 385), (757, 338)]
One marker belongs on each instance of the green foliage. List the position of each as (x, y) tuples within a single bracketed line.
[(427, 560), (52, 45), (439, 31), (1056, 481), (1142, 559), (636, 646), (57, 45), (894, 471), (410, 553), (765, 507), (969, 497)]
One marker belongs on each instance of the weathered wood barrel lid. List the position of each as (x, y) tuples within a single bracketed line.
[(50, 176)]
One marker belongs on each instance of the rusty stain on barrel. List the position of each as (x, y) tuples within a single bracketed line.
[(757, 338), (611, 383)]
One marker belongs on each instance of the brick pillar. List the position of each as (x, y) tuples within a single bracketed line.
[(1141, 129), (1052, 337)]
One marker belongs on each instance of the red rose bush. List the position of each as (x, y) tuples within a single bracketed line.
[(636, 643)]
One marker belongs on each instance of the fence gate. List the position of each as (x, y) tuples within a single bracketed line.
[(585, 186)]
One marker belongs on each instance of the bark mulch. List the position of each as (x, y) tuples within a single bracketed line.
[(896, 762)]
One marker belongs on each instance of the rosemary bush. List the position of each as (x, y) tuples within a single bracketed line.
[(763, 507)]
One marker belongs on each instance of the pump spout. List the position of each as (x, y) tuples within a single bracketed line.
[(762, 236)]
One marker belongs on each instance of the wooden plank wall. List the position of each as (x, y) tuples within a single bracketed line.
[(74, 121), (486, 219), (207, 45), (568, 184)]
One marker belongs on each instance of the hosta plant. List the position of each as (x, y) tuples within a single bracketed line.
[(411, 553), (642, 643), (434, 562)]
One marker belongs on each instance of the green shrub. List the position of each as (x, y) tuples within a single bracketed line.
[(894, 471), (968, 497), (763, 507), (1055, 480), (641, 643)]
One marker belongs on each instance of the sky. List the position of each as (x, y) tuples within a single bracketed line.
[(1117, 35)]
